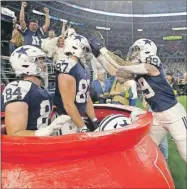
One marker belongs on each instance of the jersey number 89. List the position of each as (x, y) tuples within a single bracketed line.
[(145, 88)]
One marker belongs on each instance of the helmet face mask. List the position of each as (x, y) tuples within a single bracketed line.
[(42, 67), (78, 46), (29, 60), (141, 50), (133, 53)]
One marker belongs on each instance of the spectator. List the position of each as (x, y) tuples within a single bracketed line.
[(132, 101), (102, 86), (173, 83), (93, 95), (4, 78), (121, 91), (185, 83), (33, 34), (49, 44), (59, 50), (95, 65), (17, 39)]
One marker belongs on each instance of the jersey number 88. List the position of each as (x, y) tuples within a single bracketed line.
[(81, 96)]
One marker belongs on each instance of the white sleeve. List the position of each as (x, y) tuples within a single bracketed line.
[(56, 39), (65, 65), (16, 91)]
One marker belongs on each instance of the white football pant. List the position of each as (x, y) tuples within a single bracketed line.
[(173, 120)]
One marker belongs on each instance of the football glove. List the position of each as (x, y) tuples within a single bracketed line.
[(135, 114), (54, 126), (97, 42), (92, 125), (96, 124), (83, 129)]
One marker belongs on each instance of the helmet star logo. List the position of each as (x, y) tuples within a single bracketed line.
[(124, 123), (22, 50), (78, 37), (147, 41)]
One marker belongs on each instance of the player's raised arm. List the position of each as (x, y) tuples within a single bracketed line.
[(22, 16), (106, 65), (67, 88), (110, 62), (143, 54), (117, 64)]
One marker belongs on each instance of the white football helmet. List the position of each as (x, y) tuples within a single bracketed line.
[(69, 32), (140, 50), (113, 122), (78, 46), (29, 60)]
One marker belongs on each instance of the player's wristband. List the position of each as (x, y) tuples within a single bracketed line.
[(94, 119), (83, 129)]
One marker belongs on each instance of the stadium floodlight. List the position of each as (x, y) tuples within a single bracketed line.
[(140, 30), (102, 28), (37, 12), (179, 28)]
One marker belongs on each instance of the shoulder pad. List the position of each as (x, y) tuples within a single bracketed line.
[(16, 90), (154, 60), (65, 65)]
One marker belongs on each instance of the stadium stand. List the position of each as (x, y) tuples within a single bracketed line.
[(123, 30)]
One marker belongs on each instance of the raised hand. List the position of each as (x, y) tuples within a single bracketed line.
[(24, 4), (96, 41), (46, 10)]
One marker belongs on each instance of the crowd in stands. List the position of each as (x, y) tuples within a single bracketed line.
[(114, 90), (50, 38)]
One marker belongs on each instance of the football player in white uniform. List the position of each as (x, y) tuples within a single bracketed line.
[(27, 105), (72, 85), (142, 60)]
